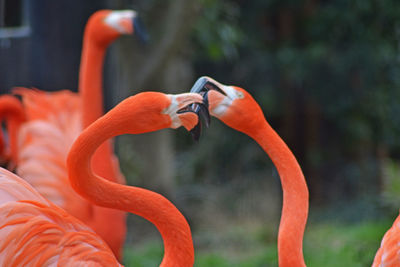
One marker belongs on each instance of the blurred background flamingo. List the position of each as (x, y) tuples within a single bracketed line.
[(55, 119)]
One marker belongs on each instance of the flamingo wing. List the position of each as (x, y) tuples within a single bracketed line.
[(54, 121), (35, 232)]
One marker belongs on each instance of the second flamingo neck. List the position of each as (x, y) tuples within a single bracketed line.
[(91, 81), (295, 196)]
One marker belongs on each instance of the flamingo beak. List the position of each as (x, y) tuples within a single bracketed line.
[(203, 85), (201, 110), (140, 30)]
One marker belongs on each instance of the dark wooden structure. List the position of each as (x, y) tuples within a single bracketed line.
[(46, 54)]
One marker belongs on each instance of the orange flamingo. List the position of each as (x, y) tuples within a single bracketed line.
[(238, 109), (12, 112), (35, 232), (56, 119)]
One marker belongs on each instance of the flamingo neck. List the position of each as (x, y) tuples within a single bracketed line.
[(295, 196), (91, 91), (12, 111), (173, 227), (91, 79)]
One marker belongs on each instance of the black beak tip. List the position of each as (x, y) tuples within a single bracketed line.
[(206, 111), (205, 115), (140, 30), (196, 131)]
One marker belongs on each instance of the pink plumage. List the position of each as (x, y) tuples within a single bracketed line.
[(35, 232)]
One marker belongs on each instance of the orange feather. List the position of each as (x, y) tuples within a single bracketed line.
[(54, 121), (35, 232)]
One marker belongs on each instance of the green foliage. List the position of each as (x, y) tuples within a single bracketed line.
[(343, 53), (343, 245), (148, 255), (341, 58), (212, 259), (217, 35), (324, 245), (391, 183)]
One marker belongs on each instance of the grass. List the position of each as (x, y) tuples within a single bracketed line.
[(343, 245), (325, 244)]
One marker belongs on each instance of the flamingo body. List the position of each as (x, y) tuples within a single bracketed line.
[(54, 121), (35, 232)]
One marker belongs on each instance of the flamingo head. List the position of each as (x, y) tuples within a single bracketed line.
[(107, 25), (231, 104), (154, 111), (188, 110)]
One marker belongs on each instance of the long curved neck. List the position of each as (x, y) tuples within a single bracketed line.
[(12, 111), (295, 196), (91, 91), (161, 212), (91, 79)]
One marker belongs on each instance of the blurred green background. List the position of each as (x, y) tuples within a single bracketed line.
[(327, 76)]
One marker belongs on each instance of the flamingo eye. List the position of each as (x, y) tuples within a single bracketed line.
[(239, 94)]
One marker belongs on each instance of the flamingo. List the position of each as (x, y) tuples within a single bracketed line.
[(237, 108), (35, 232), (55, 119), (12, 111)]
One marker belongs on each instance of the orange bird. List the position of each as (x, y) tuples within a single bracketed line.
[(35, 232), (12, 112), (237, 108), (55, 119)]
